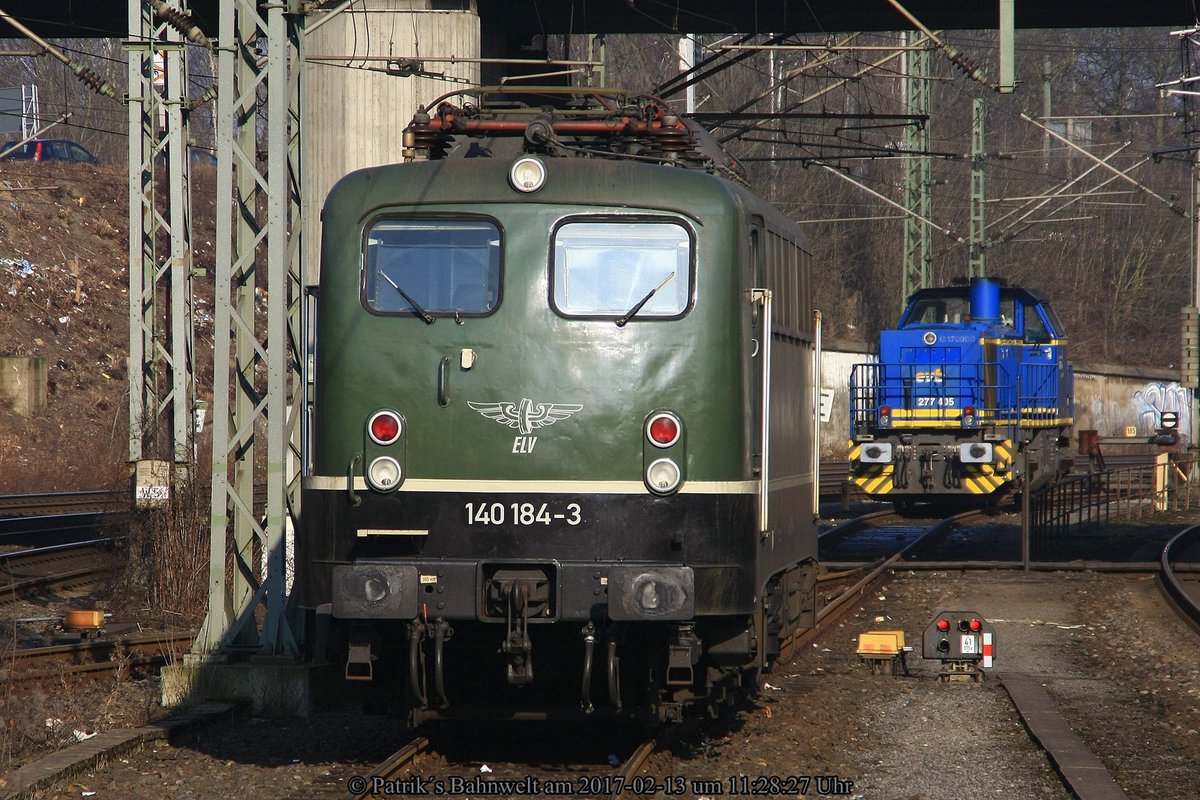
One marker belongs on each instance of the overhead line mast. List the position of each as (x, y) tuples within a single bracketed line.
[(918, 171)]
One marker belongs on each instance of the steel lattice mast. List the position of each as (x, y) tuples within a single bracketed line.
[(918, 182), (257, 363), (161, 384)]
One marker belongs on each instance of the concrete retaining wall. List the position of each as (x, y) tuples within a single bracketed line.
[(23, 384)]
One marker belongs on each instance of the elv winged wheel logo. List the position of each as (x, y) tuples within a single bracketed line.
[(526, 415)]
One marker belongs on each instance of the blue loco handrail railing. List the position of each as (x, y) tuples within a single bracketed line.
[(920, 395)]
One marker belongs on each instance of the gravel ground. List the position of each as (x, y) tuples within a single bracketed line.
[(1114, 658), (1109, 651)]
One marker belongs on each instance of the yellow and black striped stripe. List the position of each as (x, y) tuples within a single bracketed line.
[(981, 479), (873, 479), (940, 418), (1022, 342), (987, 478)]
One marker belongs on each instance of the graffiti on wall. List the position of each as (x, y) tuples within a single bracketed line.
[(1154, 398)]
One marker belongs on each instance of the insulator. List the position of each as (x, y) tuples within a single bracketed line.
[(673, 139), (92, 79), (965, 64), (209, 95), (182, 23), (420, 135)]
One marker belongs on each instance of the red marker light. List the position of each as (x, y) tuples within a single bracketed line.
[(943, 625), (384, 427), (976, 625), (663, 430)]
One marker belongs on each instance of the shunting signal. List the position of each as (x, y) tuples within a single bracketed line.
[(963, 641)]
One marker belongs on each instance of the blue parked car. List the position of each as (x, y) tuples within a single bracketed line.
[(51, 150)]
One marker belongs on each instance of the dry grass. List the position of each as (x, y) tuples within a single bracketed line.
[(166, 571), (37, 718)]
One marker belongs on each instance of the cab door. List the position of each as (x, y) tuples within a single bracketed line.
[(760, 348)]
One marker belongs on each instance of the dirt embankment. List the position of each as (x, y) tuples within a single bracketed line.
[(64, 298)]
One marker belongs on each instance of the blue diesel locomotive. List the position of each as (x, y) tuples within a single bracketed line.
[(972, 396)]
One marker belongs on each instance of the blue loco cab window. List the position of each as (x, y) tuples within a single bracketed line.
[(605, 269), (446, 267)]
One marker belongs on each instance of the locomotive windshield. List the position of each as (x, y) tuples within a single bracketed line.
[(932, 311), (1029, 315), (607, 268), (432, 267)]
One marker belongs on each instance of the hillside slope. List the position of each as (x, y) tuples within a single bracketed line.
[(64, 298)]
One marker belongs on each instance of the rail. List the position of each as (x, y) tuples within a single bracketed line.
[(625, 780), (95, 656), (32, 573), (838, 603), (96, 501), (359, 787), (89, 502), (1185, 600), (57, 529)]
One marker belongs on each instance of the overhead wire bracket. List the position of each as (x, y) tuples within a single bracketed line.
[(86, 75)]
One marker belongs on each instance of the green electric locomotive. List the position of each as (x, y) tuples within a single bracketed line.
[(562, 454)]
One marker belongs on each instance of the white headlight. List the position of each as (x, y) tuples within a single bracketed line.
[(663, 476), (657, 594), (975, 453), (875, 453), (528, 174), (375, 588), (384, 474)]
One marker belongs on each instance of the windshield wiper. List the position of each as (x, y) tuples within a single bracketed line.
[(416, 307), (631, 313)]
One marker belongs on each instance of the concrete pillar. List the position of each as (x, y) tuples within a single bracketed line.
[(23, 384)]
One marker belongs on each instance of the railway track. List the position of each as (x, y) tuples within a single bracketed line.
[(385, 779), (848, 585), (1082, 771), (137, 652), (1178, 574), (889, 534), (629, 778), (400, 774), (837, 598), (67, 570), (89, 502), (57, 529)]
